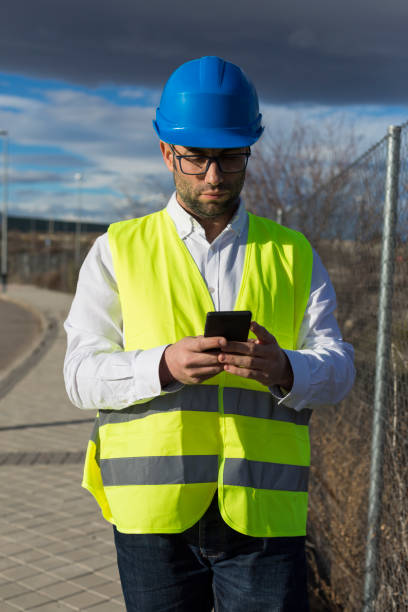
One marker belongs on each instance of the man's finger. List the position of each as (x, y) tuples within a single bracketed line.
[(248, 373), (203, 343), (242, 348), (204, 373), (242, 361), (205, 358), (262, 333)]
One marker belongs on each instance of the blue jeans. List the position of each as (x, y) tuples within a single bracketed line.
[(211, 565)]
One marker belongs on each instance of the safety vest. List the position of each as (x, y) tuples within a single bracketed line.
[(154, 466)]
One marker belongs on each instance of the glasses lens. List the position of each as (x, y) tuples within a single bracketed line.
[(197, 164), (193, 164), (232, 163)]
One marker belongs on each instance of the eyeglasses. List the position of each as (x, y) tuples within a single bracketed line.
[(228, 163)]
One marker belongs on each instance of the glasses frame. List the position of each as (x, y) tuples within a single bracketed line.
[(210, 159)]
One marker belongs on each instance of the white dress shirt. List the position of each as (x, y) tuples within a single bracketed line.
[(100, 374)]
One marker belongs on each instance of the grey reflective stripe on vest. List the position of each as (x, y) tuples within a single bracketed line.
[(95, 431), (202, 398), (95, 439), (183, 469), (264, 475), (247, 402)]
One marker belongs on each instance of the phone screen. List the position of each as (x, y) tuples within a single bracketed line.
[(231, 324)]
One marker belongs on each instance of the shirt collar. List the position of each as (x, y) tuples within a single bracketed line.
[(186, 224)]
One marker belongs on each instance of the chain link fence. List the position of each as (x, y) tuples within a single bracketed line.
[(342, 436), (348, 240), (344, 221)]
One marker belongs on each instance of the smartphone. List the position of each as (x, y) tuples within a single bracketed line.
[(231, 324)]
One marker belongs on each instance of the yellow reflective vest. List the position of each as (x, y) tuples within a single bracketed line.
[(154, 466)]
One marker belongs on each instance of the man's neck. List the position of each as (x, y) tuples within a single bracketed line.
[(213, 226)]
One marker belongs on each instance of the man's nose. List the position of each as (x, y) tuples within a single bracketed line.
[(214, 175)]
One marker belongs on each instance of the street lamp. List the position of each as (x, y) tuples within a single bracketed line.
[(4, 134), (78, 177)]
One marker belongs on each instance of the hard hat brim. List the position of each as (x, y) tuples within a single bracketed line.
[(209, 138)]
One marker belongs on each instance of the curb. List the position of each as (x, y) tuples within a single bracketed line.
[(34, 352)]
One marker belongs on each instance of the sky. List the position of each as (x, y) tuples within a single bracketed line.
[(80, 82)]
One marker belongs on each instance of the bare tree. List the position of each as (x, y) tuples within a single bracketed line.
[(288, 169)]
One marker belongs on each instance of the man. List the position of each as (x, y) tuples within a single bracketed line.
[(200, 452)]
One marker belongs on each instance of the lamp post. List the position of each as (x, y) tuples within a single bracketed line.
[(78, 178), (4, 134)]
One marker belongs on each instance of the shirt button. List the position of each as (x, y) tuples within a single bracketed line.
[(211, 289)]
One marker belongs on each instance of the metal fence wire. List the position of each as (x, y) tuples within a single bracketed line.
[(344, 220), (350, 244)]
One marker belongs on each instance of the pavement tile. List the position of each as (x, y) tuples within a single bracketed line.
[(38, 581), (98, 563), (37, 521), (78, 554), (29, 600), (5, 607), (80, 540), (10, 532), (19, 572), (104, 548), (70, 521), (111, 572), (29, 555), (6, 562), (49, 563), (11, 589), (57, 548), (85, 599), (46, 528), (54, 606), (61, 589), (109, 606), (90, 581), (70, 571), (13, 548), (37, 541), (109, 589)]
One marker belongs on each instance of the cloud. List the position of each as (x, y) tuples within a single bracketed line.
[(67, 130), (110, 144), (31, 177), (318, 52)]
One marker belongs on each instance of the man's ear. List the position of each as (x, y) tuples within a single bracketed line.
[(167, 155)]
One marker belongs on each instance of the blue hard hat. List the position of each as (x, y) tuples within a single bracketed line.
[(209, 103)]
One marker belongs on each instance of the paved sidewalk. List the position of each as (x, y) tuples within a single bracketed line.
[(22, 325), (56, 551)]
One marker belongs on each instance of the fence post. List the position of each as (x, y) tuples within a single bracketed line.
[(382, 366)]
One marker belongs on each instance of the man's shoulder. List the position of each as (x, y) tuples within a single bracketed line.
[(277, 232), (131, 225)]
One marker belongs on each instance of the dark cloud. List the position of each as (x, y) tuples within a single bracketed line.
[(32, 177), (46, 160), (295, 51)]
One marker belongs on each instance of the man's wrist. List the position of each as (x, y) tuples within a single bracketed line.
[(286, 383), (165, 375)]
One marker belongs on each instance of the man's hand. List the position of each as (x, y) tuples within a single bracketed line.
[(261, 359), (189, 362)]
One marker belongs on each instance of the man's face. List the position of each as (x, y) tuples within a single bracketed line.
[(209, 195)]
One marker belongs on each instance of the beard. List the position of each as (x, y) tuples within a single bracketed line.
[(190, 195)]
